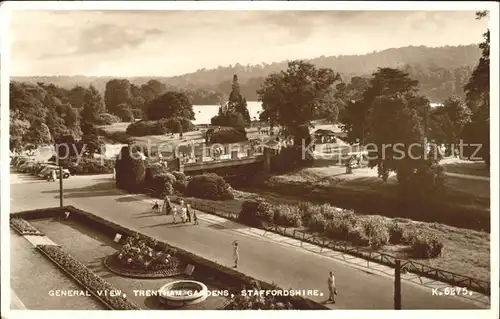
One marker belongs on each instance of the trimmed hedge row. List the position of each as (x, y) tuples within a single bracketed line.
[(208, 186), (23, 227), (91, 166), (163, 126), (87, 277), (204, 268)]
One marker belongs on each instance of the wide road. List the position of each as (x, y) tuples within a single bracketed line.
[(287, 266)]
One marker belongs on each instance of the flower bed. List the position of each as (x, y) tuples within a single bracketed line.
[(87, 278), (141, 258), (23, 227)]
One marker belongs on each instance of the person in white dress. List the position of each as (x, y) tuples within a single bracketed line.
[(331, 287), (236, 254)]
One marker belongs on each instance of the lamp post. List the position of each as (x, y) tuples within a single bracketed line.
[(61, 203), (397, 285)]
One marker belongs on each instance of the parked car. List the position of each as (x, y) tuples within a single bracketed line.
[(46, 172)]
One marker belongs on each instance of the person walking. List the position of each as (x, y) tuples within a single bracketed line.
[(195, 218), (183, 211), (53, 175), (188, 212), (174, 214), (236, 254), (331, 287), (167, 205)]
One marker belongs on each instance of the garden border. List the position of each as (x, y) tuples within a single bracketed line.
[(40, 248), (132, 274), (236, 278), (23, 233), (416, 268)]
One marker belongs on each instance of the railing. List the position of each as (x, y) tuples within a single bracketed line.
[(416, 268)]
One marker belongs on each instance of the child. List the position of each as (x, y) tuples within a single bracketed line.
[(156, 207), (174, 214), (195, 218)]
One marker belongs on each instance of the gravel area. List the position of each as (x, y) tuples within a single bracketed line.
[(33, 277), (91, 247)]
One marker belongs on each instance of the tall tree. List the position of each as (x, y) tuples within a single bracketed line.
[(236, 102), (293, 97), (170, 104), (477, 93), (93, 105), (118, 91)]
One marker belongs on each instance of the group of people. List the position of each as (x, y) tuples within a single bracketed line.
[(185, 214)]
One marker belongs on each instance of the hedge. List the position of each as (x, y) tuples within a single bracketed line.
[(204, 268), (87, 278), (163, 126), (228, 135)]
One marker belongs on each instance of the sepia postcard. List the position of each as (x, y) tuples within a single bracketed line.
[(247, 155)]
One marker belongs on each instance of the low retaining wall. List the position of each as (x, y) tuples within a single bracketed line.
[(204, 267)]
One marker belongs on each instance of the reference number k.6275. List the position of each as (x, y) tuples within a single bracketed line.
[(451, 291)]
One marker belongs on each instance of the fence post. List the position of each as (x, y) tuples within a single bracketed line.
[(397, 285)]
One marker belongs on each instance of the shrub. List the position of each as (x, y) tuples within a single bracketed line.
[(168, 189), (338, 228), (159, 184), (142, 128), (107, 119), (228, 135), (179, 176), (317, 222), (180, 186), (256, 212), (395, 234), (130, 172), (209, 186), (87, 277), (287, 216), (426, 246), (357, 236), (306, 210), (152, 171), (376, 231), (229, 119)]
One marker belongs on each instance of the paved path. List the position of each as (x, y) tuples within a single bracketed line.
[(263, 258)]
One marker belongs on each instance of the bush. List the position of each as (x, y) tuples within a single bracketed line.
[(376, 231), (317, 222), (179, 176), (130, 172), (180, 186), (87, 277), (107, 119), (396, 234), (306, 210), (152, 171), (209, 186), (168, 190), (426, 246), (256, 212), (338, 228), (228, 135), (357, 236), (287, 216), (160, 182), (229, 119)]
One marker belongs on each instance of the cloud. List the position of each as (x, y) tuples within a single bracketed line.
[(105, 38)]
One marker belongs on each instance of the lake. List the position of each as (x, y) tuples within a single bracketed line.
[(203, 113)]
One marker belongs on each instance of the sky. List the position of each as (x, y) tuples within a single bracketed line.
[(167, 43)]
